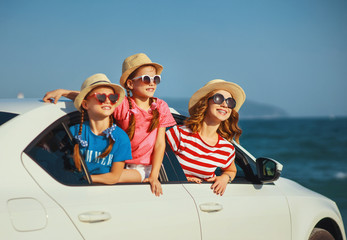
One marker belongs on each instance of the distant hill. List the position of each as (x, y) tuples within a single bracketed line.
[(249, 110)]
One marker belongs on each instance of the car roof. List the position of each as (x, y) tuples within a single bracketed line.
[(20, 106)]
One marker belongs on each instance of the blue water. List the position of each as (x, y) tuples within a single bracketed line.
[(313, 151)]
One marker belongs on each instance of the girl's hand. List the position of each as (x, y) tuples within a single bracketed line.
[(194, 179), (155, 186), (220, 184), (53, 96)]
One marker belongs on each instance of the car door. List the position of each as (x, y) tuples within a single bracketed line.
[(247, 210), (122, 211)]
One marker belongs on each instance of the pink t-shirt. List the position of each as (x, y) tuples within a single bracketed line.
[(143, 142)]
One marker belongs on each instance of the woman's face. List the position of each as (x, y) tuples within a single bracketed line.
[(218, 112), (140, 89), (94, 107)]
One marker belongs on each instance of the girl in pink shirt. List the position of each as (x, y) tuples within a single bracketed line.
[(144, 118)]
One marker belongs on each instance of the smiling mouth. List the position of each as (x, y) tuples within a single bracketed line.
[(223, 112), (150, 89), (106, 108)]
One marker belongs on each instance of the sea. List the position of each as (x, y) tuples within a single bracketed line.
[(313, 151)]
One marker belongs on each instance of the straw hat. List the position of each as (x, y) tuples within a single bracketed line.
[(94, 81), (133, 62), (218, 84)]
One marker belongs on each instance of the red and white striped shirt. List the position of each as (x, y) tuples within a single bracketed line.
[(197, 158)]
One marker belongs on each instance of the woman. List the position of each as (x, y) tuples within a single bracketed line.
[(203, 143)]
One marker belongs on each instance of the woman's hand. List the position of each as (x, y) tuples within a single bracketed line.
[(155, 186), (220, 184), (194, 179)]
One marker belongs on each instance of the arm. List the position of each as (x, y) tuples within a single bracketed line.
[(221, 182), (157, 159), (112, 177), (55, 95), (194, 179)]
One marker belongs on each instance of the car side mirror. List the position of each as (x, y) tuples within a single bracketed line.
[(268, 169)]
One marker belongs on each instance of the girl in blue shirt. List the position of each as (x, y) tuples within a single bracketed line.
[(104, 146)]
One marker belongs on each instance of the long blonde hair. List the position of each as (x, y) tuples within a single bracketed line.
[(228, 129), (132, 122)]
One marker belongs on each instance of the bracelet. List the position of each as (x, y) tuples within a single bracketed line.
[(229, 177)]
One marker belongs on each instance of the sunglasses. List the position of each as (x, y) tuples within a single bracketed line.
[(101, 97), (147, 79), (219, 99)]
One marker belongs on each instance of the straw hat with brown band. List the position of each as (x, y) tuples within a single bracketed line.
[(218, 84), (135, 61), (94, 81)]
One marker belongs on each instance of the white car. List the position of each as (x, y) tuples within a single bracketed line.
[(44, 197)]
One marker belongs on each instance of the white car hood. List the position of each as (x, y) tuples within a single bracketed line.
[(291, 189)]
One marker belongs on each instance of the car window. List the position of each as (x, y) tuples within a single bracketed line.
[(53, 151), (172, 167), (6, 116)]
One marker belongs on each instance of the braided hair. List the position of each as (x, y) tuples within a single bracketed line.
[(76, 154), (132, 122)]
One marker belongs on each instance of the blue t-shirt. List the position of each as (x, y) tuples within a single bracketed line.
[(121, 149)]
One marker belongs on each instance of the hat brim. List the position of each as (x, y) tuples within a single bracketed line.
[(235, 90), (128, 72), (117, 89)]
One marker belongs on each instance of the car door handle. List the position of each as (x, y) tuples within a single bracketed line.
[(211, 207), (94, 216)]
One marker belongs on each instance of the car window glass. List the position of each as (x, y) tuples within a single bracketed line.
[(172, 167), (5, 116), (240, 172), (53, 151)]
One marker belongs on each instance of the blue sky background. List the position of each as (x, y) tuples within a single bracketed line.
[(290, 54)]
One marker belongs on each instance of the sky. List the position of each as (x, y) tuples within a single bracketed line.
[(290, 54)]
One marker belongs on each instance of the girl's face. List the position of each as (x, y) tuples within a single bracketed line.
[(218, 112), (140, 89), (94, 107)]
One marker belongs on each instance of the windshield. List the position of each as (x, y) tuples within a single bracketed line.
[(6, 116)]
